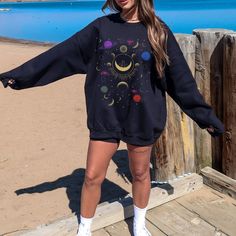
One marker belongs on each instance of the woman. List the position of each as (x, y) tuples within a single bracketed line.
[(130, 59)]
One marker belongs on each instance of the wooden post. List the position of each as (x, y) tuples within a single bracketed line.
[(209, 79), (187, 44), (229, 98), (173, 153)]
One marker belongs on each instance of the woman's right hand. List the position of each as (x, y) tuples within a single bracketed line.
[(11, 81)]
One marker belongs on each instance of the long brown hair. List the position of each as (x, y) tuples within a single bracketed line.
[(156, 31)]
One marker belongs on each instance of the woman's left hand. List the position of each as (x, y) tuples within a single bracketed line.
[(210, 129)]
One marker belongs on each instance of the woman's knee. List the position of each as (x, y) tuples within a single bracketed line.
[(91, 178), (140, 174)]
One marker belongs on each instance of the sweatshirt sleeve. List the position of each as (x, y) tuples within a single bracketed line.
[(182, 87), (69, 57)]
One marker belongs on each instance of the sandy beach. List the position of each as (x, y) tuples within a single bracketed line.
[(44, 141)]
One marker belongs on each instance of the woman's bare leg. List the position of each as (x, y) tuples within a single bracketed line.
[(98, 157), (139, 161)]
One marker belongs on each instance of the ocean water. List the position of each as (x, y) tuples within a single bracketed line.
[(54, 21)]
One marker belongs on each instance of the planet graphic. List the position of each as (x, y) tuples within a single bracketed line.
[(104, 89), (146, 55), (130, 41), (137, 98), (107, 44), (134, 91), (104, 73)]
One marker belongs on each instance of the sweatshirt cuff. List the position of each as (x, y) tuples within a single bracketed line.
[(216, 132), (4, 81)]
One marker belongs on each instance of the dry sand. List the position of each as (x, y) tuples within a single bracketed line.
[(43, 143)]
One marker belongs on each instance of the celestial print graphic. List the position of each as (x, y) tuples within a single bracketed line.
[(120, 68)]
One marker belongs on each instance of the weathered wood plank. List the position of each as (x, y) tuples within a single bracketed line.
[(219, 181), (174, 189), (125, 228), (63, 227), (119, 228), (187, 44), (100, 232), (174, 219), (217, 209)]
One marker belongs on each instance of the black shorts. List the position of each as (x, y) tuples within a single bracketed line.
[(110, 140)]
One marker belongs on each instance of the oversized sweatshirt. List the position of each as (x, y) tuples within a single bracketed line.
[(125, 96)]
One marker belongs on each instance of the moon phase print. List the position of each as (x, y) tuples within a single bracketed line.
[(121, 68)]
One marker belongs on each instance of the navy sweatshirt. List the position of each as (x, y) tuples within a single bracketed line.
[(125, 97)]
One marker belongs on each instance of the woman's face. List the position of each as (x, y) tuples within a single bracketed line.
[(125, 4)]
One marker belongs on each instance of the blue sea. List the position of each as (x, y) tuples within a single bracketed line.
[(54, 21)]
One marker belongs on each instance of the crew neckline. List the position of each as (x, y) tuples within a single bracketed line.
[(127, 22)]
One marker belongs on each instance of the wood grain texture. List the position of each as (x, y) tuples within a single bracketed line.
[(173, 153), (219, 181), (209, 79), (229, 112)]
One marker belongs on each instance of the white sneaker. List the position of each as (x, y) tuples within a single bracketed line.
[(140, 230), (82, 231)]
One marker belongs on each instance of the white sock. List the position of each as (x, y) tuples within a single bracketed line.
[(86, 222), (139, 215)]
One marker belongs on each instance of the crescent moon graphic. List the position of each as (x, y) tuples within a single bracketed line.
[(113, 54), (108, 64), (105, 96), (136, 45), (122, 82), (143, 44), (123, 68), (97, 68), (133, 55), (111, 103)]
